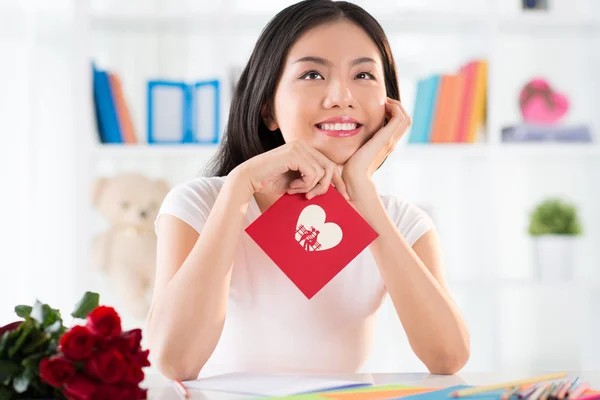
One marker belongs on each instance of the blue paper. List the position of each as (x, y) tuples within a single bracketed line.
[(444, 394)]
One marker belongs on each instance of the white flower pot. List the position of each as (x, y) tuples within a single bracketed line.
[(555, 257)]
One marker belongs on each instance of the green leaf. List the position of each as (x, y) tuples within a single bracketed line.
[(21, 381), (3, 342), (23, 310), (38, 312), (9, 339), (5, 394), (32, 361), (52, 316), (24, 331), (8, 369), (55, 327), (86, 305), (37, 339)]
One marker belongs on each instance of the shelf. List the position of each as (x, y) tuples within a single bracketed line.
[(396, 21), (539, 22), (536, 150), (155, 150), (402, 152), (442, 150)]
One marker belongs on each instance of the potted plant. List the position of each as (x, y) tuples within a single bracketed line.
[(554, 225)]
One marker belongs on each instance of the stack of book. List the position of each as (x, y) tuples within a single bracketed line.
[(113, 118), (451, 107)]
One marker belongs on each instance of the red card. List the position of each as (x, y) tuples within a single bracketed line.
[(311, 240)]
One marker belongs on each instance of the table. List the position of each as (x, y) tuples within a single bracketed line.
[(161, 389)]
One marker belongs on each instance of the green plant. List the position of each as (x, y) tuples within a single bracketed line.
[(554, 216), (25, 343)]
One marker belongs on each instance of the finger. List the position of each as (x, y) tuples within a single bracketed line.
[(340, 185), (335, 175), (314, 173), (308, 173), (323, 185)]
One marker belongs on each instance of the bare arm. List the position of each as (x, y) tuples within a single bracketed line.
[(194, 271), (414, 278), (192, 283)]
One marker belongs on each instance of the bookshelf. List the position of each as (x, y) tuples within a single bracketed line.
[(480, 192)]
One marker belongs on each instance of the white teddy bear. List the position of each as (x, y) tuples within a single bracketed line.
[(126, 251)]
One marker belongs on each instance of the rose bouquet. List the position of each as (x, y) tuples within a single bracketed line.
[(41, 358)]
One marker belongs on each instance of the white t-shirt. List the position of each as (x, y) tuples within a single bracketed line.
[(270, 325)]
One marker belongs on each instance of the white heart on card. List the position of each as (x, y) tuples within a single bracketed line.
[(313, 233)]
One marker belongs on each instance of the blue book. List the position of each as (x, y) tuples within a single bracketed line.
[(424, 109), (106, 112), (445, 394)]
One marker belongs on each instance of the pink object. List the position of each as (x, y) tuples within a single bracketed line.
[(541, 104)]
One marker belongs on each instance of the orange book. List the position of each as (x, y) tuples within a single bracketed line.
[(123, 115), (478, 113), (446, 114), (464, 120)]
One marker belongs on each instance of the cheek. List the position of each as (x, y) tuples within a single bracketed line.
[(292, 111)]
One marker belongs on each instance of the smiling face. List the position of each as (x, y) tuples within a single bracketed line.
[(331, 92)]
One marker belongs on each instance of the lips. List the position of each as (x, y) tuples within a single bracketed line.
[(339, 126)]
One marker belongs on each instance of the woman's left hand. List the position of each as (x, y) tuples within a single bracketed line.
[(359, 169)]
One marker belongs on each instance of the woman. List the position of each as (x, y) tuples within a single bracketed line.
[(316, 105)]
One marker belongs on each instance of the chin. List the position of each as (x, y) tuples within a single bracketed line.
[(338, 157)]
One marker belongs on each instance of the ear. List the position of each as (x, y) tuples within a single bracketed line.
[(162, 186), (267, 117), (99, 186)]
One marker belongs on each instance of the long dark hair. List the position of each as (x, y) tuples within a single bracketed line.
[(246, 135)]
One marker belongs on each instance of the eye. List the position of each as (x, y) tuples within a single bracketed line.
[(311, 75), (125, 205), (362, 75)]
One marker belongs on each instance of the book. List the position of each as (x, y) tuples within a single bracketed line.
[(109, 129), (257, 384), (546, 133), (424, 106)]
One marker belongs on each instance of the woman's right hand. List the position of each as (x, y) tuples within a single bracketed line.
[(294, 167)]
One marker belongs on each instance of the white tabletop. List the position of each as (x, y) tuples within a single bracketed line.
[(161, 389)]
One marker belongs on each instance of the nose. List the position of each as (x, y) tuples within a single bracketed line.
[(143, 214), (338, 95)]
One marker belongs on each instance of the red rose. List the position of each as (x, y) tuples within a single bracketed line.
[(56, 370), (132, 339), (141, 358), (10, 327), (81, 387), (108, 366), (127, 343), (77, 343), (104, 321), (133, 374)]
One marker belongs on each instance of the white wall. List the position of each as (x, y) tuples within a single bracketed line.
[(480, 199)]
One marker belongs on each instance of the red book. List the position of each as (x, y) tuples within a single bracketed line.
[(311, 241)]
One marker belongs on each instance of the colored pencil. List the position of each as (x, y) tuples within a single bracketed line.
[(509, 393), (483, 389), (527, 392), (562, 391), (594, 396), (546, 393), (578, 391), (536, 395), (575, 383)]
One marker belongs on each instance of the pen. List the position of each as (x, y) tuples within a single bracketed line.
[(181, 389)]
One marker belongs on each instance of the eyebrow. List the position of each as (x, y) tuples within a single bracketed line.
[(322, 61)]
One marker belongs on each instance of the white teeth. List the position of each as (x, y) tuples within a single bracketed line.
[(338, 127)]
